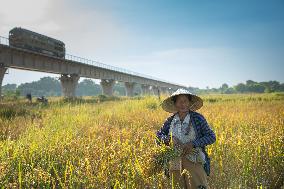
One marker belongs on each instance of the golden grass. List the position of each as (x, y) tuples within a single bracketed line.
[(111, 144)]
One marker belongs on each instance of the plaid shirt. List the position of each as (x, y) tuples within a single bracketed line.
[(204, 134)]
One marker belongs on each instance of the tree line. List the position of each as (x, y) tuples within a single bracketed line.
[(249, 86), (49, 86)]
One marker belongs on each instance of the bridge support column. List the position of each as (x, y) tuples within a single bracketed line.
[(145, 89), (2, 73), (129, 88), (107, 86), (156, 90), (164, 90), (69, 84), (168, 91)]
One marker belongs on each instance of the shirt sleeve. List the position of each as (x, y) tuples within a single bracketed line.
[(162, 134), (208, 135)]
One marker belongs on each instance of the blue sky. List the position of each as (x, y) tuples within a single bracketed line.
[(194, 43)]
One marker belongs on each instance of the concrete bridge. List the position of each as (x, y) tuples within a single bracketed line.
[(72, 68)]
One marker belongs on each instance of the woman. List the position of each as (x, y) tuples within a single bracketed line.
[(190, 133)]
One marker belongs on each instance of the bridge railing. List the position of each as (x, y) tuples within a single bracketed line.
[(5, 41), (105, 66)]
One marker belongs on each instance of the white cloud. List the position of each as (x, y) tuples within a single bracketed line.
[(87, 31), (21, 13)]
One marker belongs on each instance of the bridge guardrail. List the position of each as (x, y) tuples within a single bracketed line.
[(5, 41), (105, 66)]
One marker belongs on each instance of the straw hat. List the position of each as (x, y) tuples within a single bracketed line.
[(169, 106)]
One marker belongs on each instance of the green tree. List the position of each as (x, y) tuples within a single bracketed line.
[(46, 86), (250, 82), (241, 88), (224, 87), (88, 87), (272, 86), (230, 90)]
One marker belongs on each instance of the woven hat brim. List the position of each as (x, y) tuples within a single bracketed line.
[(195, 103)]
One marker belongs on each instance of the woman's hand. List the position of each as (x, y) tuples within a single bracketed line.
[(177, 142), (187, 148)]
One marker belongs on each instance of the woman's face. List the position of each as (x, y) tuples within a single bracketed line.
[(182, 103)]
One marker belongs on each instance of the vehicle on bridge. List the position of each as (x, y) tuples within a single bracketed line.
[(26, 39)]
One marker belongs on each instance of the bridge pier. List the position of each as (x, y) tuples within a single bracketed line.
[(69, 84), (145, 89), (166, 91), (129, 86), (162, 90), (2, 73), (107, 86), (156, 90)]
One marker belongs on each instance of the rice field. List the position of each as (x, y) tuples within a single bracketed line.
[(110, 143)]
